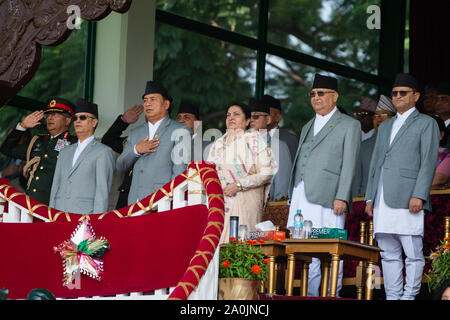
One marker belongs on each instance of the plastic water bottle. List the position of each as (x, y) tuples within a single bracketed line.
[(298, 225)]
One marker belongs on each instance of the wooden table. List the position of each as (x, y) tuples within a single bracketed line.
[(332, 250), (272, 249)]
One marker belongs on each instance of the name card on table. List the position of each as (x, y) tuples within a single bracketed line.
[(328, 233)]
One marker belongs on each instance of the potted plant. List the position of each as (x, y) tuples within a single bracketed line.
[(440, 265), (242, 267)]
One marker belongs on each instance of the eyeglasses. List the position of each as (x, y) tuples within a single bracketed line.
[(383, 115), (81, 117), (402, 93), (312, 94), (256, 116)]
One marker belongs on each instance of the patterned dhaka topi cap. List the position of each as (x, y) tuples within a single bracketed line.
[(385, 103)]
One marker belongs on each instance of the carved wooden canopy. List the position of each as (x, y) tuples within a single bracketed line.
[(27, 25)]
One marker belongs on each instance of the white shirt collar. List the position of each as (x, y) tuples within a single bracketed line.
[(447, 122), (405, 115), (272, 132), (368, 135), (156, 124), (53, 137), (80, 147), (327, 116), (85, 142), (320, 120), (400, 120), (152, 128)]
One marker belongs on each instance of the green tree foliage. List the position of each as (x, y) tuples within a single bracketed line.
[(61, 72), (205, 71), (213, 73)]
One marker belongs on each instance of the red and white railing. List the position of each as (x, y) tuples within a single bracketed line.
[(199, 184)]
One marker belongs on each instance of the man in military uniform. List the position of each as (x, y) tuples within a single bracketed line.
[(43, 150)]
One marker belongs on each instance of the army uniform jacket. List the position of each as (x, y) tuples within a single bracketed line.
[(47, 149)]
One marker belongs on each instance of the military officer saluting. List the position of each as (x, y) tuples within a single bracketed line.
[(43, 150)]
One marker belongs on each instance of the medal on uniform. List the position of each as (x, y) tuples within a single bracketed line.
[(62, 143)]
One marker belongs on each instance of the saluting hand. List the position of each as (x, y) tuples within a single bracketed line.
[(147, 146), (132, 115), (32, 120)]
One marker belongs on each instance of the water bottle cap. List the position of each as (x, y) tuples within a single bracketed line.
[(299, 211)]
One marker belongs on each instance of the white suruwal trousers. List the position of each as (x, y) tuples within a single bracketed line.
[(321, 217), (398, 230)]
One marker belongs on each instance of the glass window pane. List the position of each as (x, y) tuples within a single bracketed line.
[(61, 72), (331, 30), (291, 82), (239, 16), (209, 72)]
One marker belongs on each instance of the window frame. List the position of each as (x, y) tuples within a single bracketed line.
[(386, 71)]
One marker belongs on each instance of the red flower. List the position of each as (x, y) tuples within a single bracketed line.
[(256, 269), (267, 260), (226, 263), (232, 239), (261, 241)]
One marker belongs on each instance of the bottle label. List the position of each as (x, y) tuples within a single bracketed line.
[(298, 224)]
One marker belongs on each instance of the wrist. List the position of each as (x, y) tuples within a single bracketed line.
[(20, 126), (239, 186), (136, 152), (124, 120)]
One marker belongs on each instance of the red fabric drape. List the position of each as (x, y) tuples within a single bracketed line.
[(147, 252)]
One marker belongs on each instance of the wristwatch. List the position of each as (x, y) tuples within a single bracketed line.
[(239, 185)]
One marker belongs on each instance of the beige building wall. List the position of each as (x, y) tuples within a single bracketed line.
[(123, 65), (123, 61)]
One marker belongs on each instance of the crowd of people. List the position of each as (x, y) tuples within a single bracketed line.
[(390, 152)]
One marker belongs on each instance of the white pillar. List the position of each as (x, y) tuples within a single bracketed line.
[(123, 64), (123, 61)]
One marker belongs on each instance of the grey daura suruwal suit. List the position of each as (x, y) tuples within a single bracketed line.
[(151, 171)]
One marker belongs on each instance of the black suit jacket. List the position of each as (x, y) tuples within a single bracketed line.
[(291, 140), (112, 138)]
